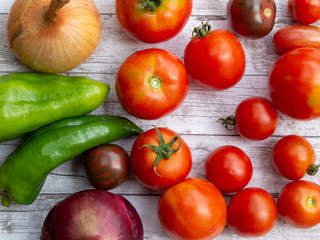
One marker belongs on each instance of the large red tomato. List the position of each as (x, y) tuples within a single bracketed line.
[(192, 210), (107, 166), (153, 21), (299, 204), (215, 59), (294, 83), (228, 168), (251, 18), (304, 11), (293, 156), (151, 83), (294, 36), (255, 119), (252, 212), (160, 158)]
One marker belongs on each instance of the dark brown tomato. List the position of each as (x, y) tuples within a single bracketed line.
[(251, 18), (107, 166)]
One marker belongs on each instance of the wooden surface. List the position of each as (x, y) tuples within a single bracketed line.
[(195, 120)]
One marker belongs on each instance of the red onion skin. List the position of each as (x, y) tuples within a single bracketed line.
[(92, 215)]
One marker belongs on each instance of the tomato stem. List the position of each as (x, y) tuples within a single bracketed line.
[(313, 169), (227, 122), (54, 7), (155, 82), (149, 5), (163, 150), (202, 30), (310, 202)]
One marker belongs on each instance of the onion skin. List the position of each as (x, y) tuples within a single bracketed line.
[(92, 215), (57, 45)]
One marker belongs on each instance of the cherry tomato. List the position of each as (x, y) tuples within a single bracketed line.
[(294, 36), (160, 158), (151, 83), (252, 212), (293, 156), (229, 169), (251, 18), (294, 83), (107, 166), (255, 119), (304, 11), (192, 209), (153, 21), (215, 59), (299, 204)]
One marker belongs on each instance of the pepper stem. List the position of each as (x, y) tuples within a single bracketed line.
[(227, 122), (54, 7), (5, 200), (313, 169), (163, 150), (202, 30), (149, 5)]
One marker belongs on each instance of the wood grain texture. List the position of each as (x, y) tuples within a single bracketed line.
[(195, 120)]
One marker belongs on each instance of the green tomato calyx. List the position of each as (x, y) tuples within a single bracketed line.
[(5, 200), (202, 30), (313, 169), (310, 202), (227, 122), (163, 150), (149, 5)]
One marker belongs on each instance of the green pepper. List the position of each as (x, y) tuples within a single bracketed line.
[(24, 171), (29, 101)]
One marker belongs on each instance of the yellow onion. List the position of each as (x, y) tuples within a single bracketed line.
[(53, 36)]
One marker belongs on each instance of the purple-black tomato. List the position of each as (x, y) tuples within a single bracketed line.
[(107, 166), (251, 18)]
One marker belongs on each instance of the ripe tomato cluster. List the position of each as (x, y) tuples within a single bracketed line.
[(152, 83)]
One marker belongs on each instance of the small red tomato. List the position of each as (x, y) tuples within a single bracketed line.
[(293, 156), (153, 21), (255, 119), (294, 36), (229, 169), (299, 204), (294, 83), (252, 212), (304, 11), (160, 158), (107, 166), (192, 209), (251, 18), (215, 59), (151, 83)]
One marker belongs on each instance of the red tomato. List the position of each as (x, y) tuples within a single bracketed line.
[(216, 60), (160, 165), (229, 169), (255, 119), (294, 83), (252, 212), (304, 11), (107, 166), (292, 156), (192, 209), (299, 204), (294, 36), (153, 21), (251, 18), (151, 83)]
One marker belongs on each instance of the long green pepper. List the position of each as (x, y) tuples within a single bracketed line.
[(24, 171), (29, 101)]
